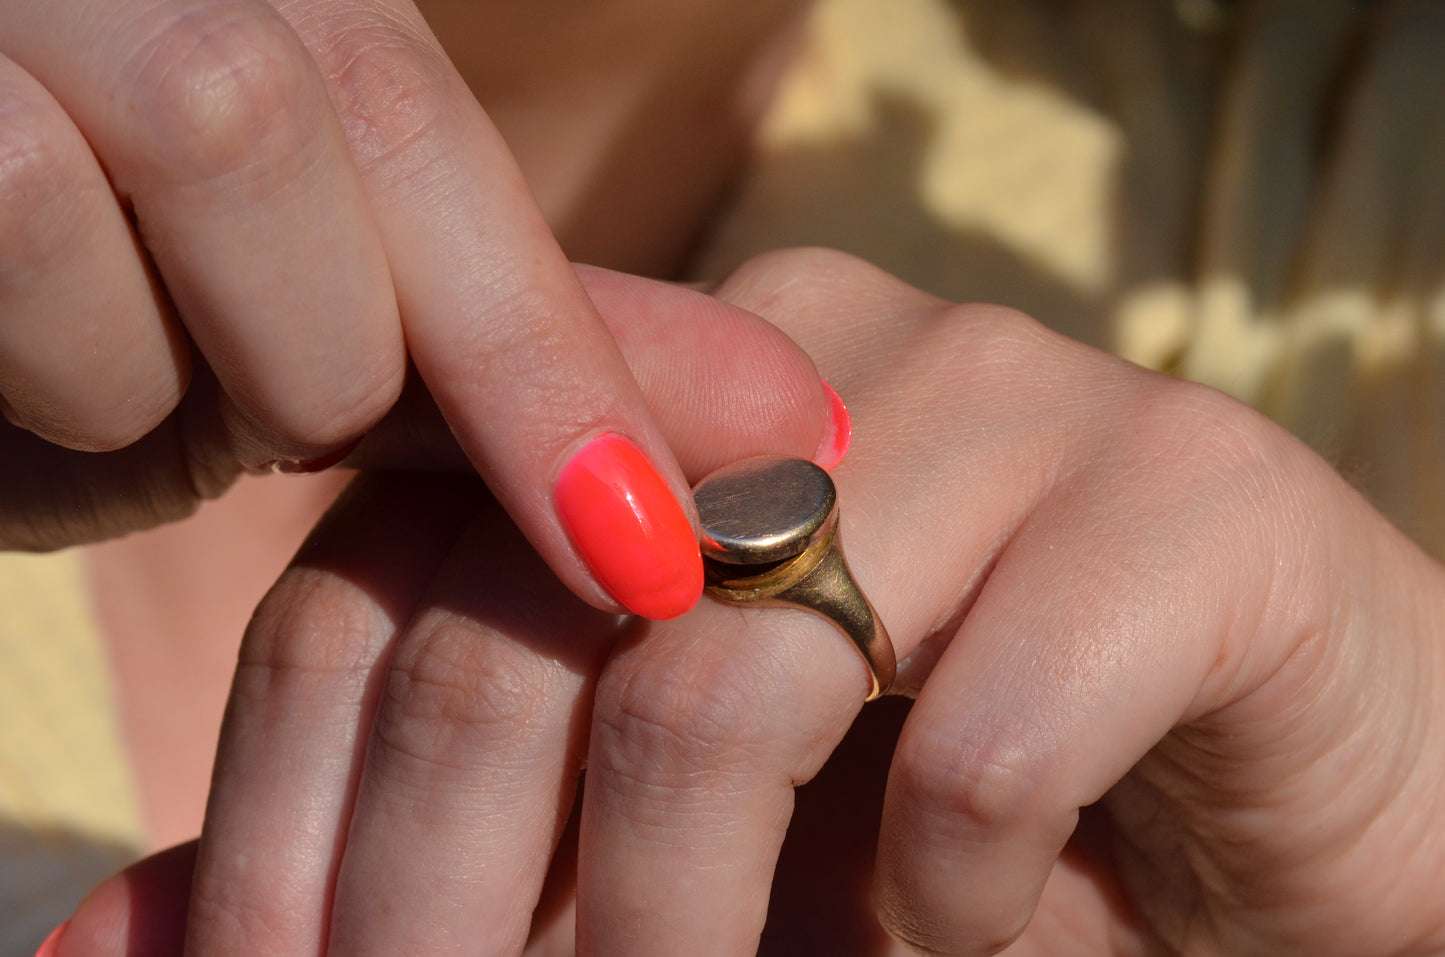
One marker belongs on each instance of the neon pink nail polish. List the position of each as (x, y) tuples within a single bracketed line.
[(839, 434), (630, 530), (52, 943)]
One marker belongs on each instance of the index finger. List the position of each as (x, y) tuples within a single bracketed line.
[(497, 323)]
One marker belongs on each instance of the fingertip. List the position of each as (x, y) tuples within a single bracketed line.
[(678, 599), (632, 533)]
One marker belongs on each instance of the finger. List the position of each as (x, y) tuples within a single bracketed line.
[(1160, 605), (1209, 570), (699, 736), (702, 729), (90, 357), (701, 732), (216, 130), (295, 729), (722, 384), (483, 663), (140, 912), (526, 375), (474, 756)]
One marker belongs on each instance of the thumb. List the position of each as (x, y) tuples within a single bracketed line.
[(722, 384)]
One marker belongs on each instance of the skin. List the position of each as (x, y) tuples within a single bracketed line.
[(280, 208), (646, 130), (1111, 582), (1174, 690)]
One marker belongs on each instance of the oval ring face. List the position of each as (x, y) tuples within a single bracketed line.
[(764, 509)]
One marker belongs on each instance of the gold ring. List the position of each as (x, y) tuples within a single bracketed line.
[(769, 536)]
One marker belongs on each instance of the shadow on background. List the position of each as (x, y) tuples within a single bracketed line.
[(821, 902), (1285, 153), (876, 213)]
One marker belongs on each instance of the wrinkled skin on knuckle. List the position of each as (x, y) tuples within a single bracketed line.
[(39, 207), (268, 923), (1230, 494), (874, 332), (452, 690), (311, 629), (680, 718), (781, 280), (1002, 345), (222, 98), (968, 785), (1208, 432), (1010, 361), (393, 94)]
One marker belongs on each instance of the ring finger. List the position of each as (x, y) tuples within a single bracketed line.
[(702, 730)]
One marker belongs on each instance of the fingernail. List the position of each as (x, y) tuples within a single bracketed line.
[(311, 466), (838, 435), (52, 943), (630, 530)]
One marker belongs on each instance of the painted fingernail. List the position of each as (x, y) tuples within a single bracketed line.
[(52, 943), (311, 466), (838, 435), (630, 530)]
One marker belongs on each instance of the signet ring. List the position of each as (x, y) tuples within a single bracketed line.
[(769, 536)]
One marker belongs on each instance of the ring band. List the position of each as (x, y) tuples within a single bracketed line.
[(770, 537)]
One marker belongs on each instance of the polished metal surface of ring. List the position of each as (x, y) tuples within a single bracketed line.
[(770, 537)]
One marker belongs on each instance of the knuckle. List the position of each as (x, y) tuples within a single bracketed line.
[(38, 202), (309, 629), (1226, 429), (391, 94), (1001, 345), (224, 93), (781, 280), (687, 713), (452, 690), (1219, 451), (993, 332), (235, 908), (971, 785)]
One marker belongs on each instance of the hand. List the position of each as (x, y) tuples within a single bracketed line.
[(1175, 685), (301, 195)]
